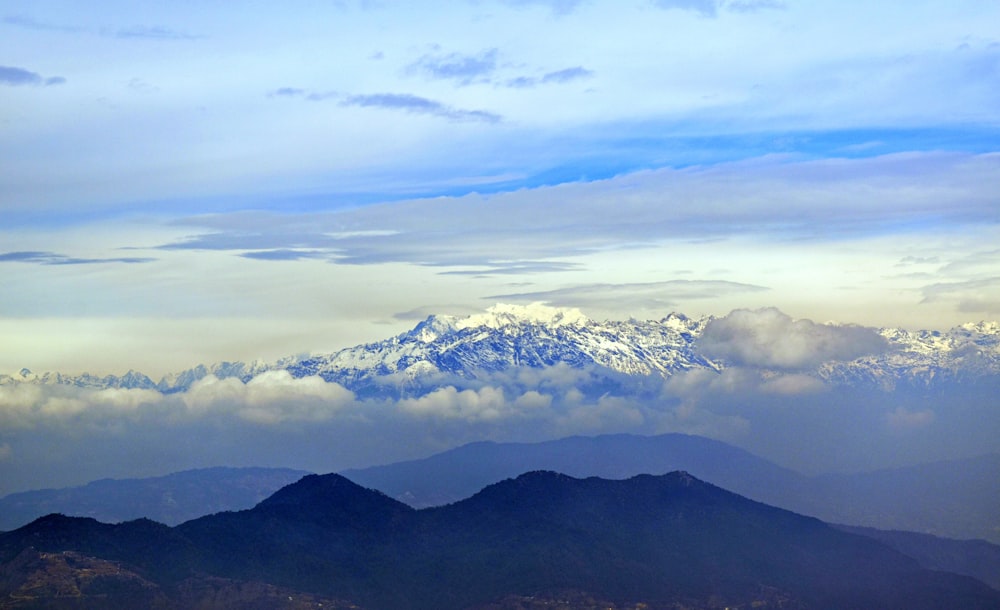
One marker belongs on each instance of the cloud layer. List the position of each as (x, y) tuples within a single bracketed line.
[(278, 420)]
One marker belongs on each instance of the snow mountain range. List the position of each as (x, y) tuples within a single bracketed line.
[(508, 337)]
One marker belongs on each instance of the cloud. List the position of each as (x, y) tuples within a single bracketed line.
[(269, 398), (288, 92), (13, 76), (33, 24), (557, 77), (515, 267), (902, 419), (419, 105), (481, 68), (792, 385), (561, 7), (567, 74), (975, 262), (768, 338), (468, 405), (710, 8), (30, 406), (407, 102), (5, 452), (772, 200), (645, 295), (463, 69), (918, 260), (52, 258), (151, 32), (284, 254), (981, 296), (706, 8)]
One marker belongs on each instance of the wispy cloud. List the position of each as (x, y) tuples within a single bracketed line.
[(750, 6), (711, 8), (557, 77), (52, 258), (980, 296), (566, 75), (288, 92), (637, 295), (560, 7), (516, 267), (284, 254), (419, 105), (14, 76), (463, 69), (33, 24), (152, 32), (405, 102), (706, 8)]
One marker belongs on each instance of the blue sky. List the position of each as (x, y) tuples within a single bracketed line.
[(190, 182)]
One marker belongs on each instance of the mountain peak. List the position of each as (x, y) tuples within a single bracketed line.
[(502, 314), (331, 499)]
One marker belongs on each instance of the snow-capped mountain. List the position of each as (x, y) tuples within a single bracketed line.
[(921, 358), (510, 336)]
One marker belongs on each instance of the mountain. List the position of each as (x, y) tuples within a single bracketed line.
[(957, 498), (456, 474), (976, 558), (169, 499), (668, 541), (954, 498), (535, 336)]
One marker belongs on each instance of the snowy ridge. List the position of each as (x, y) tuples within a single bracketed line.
[(510, 336)]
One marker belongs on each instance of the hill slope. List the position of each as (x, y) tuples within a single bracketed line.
[(957, 499), (169, 499), (667, 541)]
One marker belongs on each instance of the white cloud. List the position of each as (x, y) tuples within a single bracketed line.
[(26, 405), (768, 338), (903, 419), (975, 297), (792, 385), (532, 400), (485, 404), (269, 398)]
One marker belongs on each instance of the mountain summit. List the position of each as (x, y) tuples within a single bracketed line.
[(507, 337)]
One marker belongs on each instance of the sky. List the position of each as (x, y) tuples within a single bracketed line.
[(192, 182)]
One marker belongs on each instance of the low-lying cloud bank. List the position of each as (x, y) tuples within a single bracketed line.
[(53, 435)]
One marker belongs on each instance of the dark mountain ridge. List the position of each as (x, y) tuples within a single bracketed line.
[(956, 498), (170, 499), (458, 473), (667, 541)]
